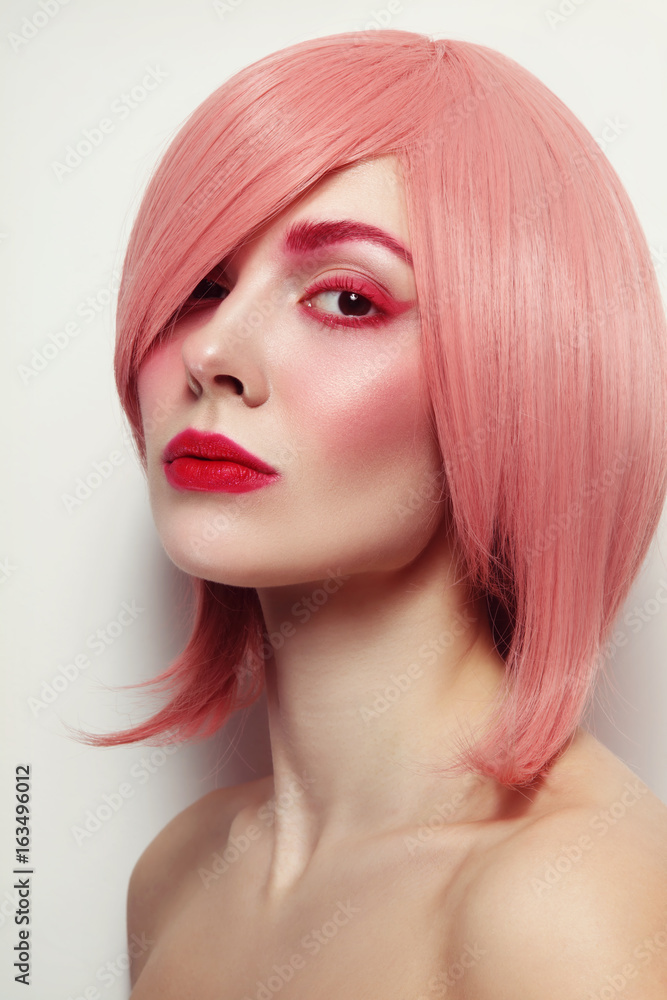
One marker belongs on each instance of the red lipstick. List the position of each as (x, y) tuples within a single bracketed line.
[(197, 460)]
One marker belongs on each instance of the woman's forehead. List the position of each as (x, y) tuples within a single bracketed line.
[(362, 201)]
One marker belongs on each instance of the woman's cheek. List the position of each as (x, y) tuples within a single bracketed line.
[(160, 384), (373, 411)]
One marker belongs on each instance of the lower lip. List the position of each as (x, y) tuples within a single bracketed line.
[(189, 473)]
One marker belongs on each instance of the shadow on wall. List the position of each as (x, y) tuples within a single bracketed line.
[(628, 711), (240, 751)]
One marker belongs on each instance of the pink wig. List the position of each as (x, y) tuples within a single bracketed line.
[(544, 349)]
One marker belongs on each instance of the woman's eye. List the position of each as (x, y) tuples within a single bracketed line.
[(349, 303), (207, 289)]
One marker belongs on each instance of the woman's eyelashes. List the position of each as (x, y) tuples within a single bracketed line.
[(208, 289), (351, 301)]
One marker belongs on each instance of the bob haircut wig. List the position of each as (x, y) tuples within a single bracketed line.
[(544, 348)]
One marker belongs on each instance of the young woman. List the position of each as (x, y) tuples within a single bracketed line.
[(394, 356)]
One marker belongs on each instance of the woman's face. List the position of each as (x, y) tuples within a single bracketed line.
[(309, 359)]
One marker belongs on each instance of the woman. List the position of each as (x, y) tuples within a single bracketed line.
[(394, 357)]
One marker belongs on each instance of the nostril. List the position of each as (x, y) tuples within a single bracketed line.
[(236, 383), (193, 384)]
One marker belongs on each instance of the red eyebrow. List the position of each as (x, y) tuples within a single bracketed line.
[(306, 237)]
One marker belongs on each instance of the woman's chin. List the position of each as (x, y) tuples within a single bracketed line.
[(226, 570), (231, 569), (246, 568)]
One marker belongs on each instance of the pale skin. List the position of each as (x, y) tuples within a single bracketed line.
[(354, 870)]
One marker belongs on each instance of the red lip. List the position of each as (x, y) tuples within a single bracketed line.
[(196, 460)]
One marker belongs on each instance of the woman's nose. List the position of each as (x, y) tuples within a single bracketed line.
[(222, 355)]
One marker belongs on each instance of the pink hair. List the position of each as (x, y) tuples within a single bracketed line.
[(544, 347)]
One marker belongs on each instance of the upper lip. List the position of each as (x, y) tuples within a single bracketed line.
[(214, 447)]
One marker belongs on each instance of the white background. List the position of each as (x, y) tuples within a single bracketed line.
[(69, 572)]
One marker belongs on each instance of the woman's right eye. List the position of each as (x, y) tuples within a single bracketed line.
[(207, 289)]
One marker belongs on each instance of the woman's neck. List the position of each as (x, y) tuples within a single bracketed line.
[(371, 678)]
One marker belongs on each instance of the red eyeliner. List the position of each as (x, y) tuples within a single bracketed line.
[(388, 308)]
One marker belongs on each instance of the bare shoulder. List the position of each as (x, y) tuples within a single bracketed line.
[(577, 897), (177, 850)]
